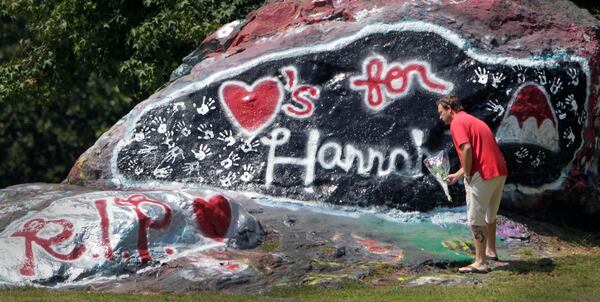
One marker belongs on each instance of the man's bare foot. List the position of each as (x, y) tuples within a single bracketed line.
[(474, 268)]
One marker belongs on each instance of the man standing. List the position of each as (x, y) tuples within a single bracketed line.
[(484, 170)]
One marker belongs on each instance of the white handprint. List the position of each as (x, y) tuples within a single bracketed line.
[(181, 127), (130, 164), (206, 106), (574, 75), (582, 117), (248, 173), (162, 124), (203, 152), (138, 170), (249, 145), (496, 79), (178, 106), (169, 140), (561, 110), (571, 101), (521, 154), (162, 172), (227, 137), (482, 76), (230, 161), (539, 159), (140, 134), (541, 77), (206, 131), (495, 107), (147, 149), (568, 134), (173, 154), (192, 167), (556, 86), (227, 180), (520, 73)]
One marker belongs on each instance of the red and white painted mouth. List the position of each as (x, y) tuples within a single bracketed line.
[(530, 119)]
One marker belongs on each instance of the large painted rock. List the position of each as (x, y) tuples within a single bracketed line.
[(335, 101), (70, 235)]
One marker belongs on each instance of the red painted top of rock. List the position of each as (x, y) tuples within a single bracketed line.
[(520, 28)]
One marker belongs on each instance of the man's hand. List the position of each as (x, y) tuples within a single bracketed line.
[(453, 178)]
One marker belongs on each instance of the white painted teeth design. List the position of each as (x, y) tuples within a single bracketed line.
[(417, 135), (545, 136)]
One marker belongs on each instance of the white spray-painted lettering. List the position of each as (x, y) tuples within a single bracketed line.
[(331, 155)]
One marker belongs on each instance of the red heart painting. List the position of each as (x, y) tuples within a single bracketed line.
[(213, 216), (252, 108)]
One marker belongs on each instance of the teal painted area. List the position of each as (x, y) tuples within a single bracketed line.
[(548, 57), (422, 240), (413, 232)]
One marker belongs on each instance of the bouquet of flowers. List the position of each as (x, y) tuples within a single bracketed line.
[(439, 166)]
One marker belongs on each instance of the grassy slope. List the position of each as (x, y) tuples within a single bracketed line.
[(573, 278)]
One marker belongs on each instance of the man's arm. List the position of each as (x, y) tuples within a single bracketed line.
[(467, 160), (465, 170)]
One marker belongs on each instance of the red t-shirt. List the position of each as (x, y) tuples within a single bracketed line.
[(487, 158)]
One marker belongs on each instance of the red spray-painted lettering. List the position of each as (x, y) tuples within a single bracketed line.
[(380, 81), (104, 223), (303, 96), (30, 233), (145, 222)]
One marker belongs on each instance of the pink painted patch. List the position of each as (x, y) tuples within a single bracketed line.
[(372, 245), (169, 251), (366, 241), (233, 266), (213, 216), (252, 108)]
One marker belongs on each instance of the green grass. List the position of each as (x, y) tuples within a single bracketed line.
[(270, 245), (573, 278)]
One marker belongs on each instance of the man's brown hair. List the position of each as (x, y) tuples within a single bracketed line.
[(450, 101)]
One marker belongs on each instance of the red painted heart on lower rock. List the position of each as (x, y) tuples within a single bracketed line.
[(213, 216), (252, 108)]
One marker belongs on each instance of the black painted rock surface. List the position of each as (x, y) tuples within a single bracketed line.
[(334, 101)]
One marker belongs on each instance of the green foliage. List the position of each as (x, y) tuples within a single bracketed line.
[(591, 5), (71, 68)]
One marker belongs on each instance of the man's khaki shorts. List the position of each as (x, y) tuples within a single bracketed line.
[(483, 199)]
